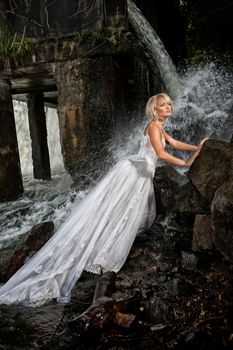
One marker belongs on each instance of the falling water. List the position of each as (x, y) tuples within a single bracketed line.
[(54, 145), (24, 140), (156, 50), (23, 136)]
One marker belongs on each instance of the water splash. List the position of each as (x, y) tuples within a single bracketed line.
[(206, 106)]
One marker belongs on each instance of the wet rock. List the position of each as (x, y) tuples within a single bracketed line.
[(222, 220), (156, 310), (212, 168), (28, 327), (167, 182), (179, 286), (202, 233), (176, 197), (123, 284), (15, 255), (172, 286), (189, 261)]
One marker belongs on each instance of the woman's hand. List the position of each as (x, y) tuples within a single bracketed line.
[(190, 161), (202, 143)]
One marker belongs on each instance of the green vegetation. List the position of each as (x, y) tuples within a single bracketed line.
[(79, 35), (97, 34), (105, 36), (12, 44)]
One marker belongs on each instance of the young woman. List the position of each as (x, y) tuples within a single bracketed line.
[(98, 235), (159, 108)]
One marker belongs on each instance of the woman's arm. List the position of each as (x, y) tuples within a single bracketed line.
[(154, 133), (178, 144)]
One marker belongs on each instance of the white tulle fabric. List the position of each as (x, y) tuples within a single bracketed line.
[(97, 237)]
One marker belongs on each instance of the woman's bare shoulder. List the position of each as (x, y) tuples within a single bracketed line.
[(150, 126)]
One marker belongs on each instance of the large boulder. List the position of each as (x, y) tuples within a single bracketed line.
[(174, 192), (212, 168), (222, 220)]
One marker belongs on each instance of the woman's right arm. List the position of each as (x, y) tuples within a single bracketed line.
[(156, 141)]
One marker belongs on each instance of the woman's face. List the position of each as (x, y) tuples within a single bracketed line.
[(163, 107)]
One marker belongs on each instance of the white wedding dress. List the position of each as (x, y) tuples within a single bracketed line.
[(97, 236)]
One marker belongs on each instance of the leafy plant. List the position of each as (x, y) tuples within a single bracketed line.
[(13, 44), (113, 40)]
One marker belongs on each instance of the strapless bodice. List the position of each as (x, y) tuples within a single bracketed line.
[(146, 150)]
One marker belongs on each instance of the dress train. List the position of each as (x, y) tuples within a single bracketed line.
[(97, 236)]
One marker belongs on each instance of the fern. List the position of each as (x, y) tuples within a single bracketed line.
[(12, 44)]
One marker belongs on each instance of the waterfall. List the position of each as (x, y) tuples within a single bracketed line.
[(54, 145), (156, 51), (23, 137), (24, 140)]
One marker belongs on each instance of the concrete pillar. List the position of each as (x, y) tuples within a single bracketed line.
[(85, 110), (11, 185), (96, 98), (38, 132)]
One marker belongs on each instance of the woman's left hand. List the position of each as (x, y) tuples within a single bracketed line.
[(202, 143)]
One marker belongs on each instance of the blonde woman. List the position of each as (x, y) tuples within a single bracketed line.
[(159, 108), (100, 231)]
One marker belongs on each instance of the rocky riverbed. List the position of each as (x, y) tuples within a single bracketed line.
[(175, 289)]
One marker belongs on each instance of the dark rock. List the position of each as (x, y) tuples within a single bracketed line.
[(202, 235), (175, 193), (179, 287), (189, 261), (156, 310), (15, 255), (222, 220), (172, 286), (212, 168), (27, 326), (166, 181)]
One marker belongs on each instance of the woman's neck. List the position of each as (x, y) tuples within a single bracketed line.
[(159, 121)]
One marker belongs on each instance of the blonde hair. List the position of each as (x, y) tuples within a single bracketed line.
[(152, 102)]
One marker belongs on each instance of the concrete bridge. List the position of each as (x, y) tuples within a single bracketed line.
[(79, 57), (63, 38)]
